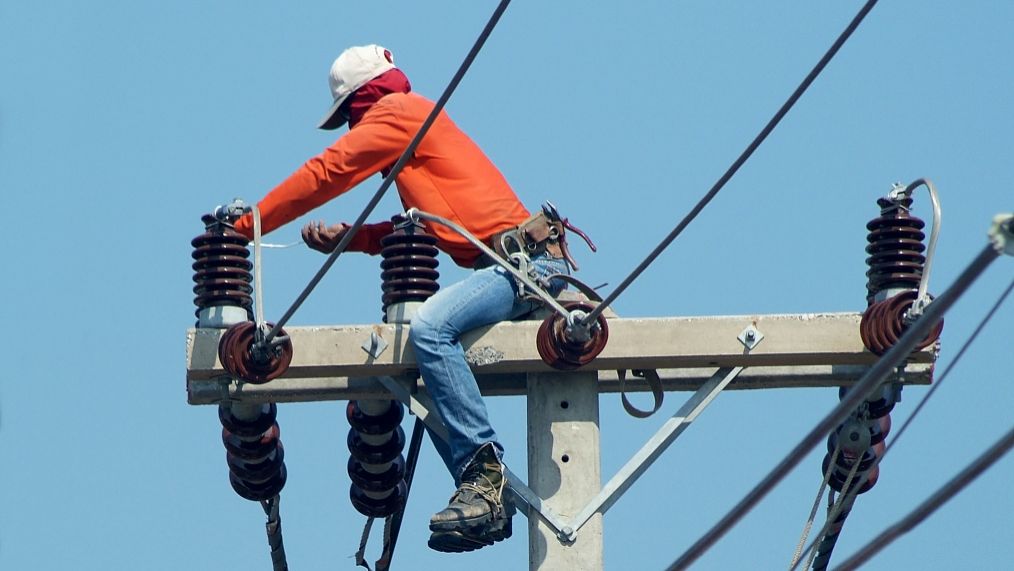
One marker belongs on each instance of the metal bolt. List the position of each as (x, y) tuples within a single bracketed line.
[(750, 335)]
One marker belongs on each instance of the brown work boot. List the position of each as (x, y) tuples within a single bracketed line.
[(477, 514)]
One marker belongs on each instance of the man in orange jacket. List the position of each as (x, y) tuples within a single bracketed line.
[(448, 175)]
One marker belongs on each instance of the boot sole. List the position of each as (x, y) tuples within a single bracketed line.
[(460, 541)]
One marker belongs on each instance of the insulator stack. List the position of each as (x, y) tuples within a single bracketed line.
[(896, 249), (253, 450), (376, 464), (409, 274), (896, 262), (861, 440), (560, 351), (221, 275)]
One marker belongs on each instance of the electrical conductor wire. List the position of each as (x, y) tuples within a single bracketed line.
[(593, 315), (939, 498), (869, 381), (833, 513), (389, 179)]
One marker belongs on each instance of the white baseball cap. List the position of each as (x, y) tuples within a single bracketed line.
[(354, 68)]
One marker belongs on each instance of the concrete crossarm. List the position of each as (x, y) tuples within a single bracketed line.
[(793, 346)]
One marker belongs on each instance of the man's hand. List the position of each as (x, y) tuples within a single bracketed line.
[(324, 238)]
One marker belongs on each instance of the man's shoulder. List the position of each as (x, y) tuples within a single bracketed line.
[(405, 103)]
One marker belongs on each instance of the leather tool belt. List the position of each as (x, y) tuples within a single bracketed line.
[(544, 232)]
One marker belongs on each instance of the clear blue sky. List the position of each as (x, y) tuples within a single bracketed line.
[(121, 122)]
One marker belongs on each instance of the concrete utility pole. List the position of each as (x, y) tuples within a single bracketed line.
[(565, 499)]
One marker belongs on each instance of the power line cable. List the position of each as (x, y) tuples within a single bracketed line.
[(860, 391), (389, 179), (939, 498), (833, 513), (593, 315)]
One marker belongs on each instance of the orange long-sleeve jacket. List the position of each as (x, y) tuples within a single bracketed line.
[(448, 175)]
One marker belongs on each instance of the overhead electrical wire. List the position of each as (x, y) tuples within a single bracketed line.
[(853, 491), (859, 392), (810, 77), (939, 498), (400, 164)]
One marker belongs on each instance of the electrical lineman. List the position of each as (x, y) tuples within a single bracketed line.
[(450, 176)]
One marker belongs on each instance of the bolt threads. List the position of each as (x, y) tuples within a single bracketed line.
[(376, 465), (253, 453)]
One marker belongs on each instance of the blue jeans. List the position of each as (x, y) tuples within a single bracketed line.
[(487, 296)]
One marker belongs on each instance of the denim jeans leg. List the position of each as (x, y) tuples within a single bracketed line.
[(486, 296)]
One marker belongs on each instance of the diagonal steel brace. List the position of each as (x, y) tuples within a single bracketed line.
[(654, 447)]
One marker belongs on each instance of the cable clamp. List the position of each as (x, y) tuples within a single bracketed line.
[(576, 330)]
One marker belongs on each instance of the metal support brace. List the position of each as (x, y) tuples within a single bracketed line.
[(656, 445), (422, 407)]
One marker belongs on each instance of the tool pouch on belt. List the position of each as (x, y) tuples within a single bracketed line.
[(545, 232)]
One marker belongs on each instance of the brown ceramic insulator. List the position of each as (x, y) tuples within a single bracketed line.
[(560, 352), (896, 249), (234, 351), (221, 268), (409, 266), (883, 323)]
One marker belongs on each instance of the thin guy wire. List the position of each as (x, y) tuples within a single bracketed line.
[(869, 381), (402, 161), (833, 514), (939, 498), (816, 504), (593, 315)]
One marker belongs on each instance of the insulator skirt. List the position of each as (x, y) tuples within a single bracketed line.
[(376, 453), (559, 351), (248, 428), (883, 324), (373, 507), (409, 266), (374, 424), (376, 482), (251, 449), (235, 353), (895, 246), (259, 491), (253, 452), (221, 269)]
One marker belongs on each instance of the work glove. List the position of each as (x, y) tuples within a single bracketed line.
[(324, 238)]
